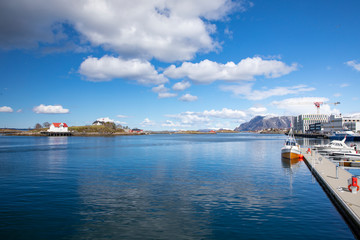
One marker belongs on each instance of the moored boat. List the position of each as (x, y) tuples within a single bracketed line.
[(336, 146), (350, 135), (291, 150)]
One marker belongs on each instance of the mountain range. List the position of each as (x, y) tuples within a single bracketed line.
[(265, 122)]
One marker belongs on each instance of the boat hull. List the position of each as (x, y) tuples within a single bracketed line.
[(290, 153)]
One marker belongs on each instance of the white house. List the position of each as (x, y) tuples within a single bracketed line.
[(58, 127)]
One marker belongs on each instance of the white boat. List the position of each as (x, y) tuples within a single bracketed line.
[(336, 146), (291, 149), (350, 156)]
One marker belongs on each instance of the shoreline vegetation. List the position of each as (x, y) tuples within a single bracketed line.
[(103, 130)]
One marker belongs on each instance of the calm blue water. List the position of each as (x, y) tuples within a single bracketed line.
[(223, 186)]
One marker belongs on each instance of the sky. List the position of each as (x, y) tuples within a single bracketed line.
[(171, 65)]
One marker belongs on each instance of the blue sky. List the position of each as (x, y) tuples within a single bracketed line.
[(165, 65)]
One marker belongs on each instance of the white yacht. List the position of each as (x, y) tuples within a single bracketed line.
[(336, 146)]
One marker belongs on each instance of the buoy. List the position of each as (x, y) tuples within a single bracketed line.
[(301, 157), (353, 184)]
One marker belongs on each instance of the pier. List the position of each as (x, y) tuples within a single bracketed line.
[(58, 134), (334, 180)]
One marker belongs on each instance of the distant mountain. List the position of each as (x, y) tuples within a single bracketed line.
[(265, 122)]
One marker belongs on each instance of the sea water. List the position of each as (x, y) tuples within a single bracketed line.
[(210, 186)]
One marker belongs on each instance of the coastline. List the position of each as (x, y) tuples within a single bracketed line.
[(43, 133)]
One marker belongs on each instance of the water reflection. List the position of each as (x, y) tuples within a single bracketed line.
[(290, 166)]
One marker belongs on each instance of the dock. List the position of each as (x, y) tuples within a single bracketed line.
[(334, 180), (57, 134)]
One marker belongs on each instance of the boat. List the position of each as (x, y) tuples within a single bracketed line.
[(291, 149), (349, 156), (350, 135), (336, 146)]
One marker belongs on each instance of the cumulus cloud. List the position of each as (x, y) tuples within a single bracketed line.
[(190, 118), (168, 30), (108, 68), (188, 98), (225, 113), (6, 109), (172, 124), (163, 92), (246, 91), (166, 95), (160, 89), (147, 122), (296, 106), (353, 64), (105, 119), (257, 110), (51, 109), (224, 118), (208, 71), (181, 86), (206, 116)]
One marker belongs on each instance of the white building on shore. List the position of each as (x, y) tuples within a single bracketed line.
[(302, 122), (340, 123), (58, 128)]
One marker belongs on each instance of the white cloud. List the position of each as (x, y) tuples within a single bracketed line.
[(168, 30), (122, 116), (105, 119), (6, 109), (207, 71), (19, 110), (247, 92), (121, 123), (160, 89), (225, 113), (257, 110), (166, 95), (147, 122), (51, 109), (163, 92), (344, 85), (181, 86), (108, 68), (169, 123), (190, 118), (207, 115), (296, 106), (212, 118), (188, 98), (353, 64), (337, 95)]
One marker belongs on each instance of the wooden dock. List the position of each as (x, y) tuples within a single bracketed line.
[(334, 181), (56, 134)]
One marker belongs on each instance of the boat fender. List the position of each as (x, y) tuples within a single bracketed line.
[(301, 157), (308, 151), (353, 183)]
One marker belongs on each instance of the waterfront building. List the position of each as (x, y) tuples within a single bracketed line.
[(315, 127), (339, 123), (58, 127), (303, 121)]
